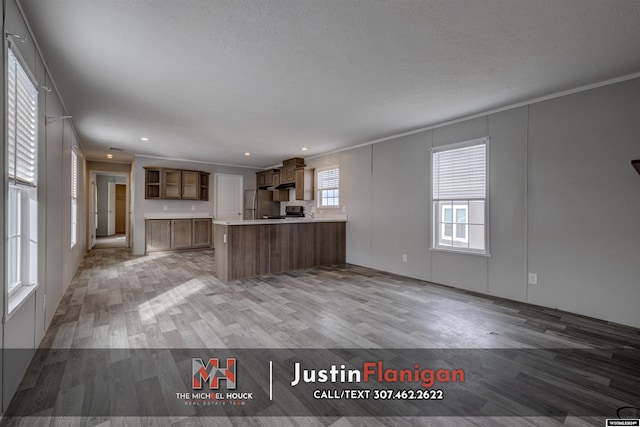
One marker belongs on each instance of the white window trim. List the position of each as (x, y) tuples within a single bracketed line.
[(18, 297), (468, 251), (319, 190)]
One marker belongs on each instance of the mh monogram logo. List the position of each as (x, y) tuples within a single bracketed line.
[(213, 372)]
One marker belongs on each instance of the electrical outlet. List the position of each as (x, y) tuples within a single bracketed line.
[(164, 207), (533, 279), (193, 208), (404, 257)]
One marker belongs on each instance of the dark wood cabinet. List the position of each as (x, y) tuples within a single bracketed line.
[(264, 179), (204, 186), (279, 195), (304, 183), (288, 174), (152, 184), (288, 170), (251, 250), (175, 184), (178, 234), (294, 174)]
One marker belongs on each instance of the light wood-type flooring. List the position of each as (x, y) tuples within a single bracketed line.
[(115, 241), (174, 300)]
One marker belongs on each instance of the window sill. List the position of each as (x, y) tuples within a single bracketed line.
[(19, 298), (463, 252)]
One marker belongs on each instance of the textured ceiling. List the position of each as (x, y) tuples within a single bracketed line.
[(211, 79)]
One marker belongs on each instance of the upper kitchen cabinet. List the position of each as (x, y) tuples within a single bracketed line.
[(190, 185), (304, 183), (279, 195), (264, 179), (292, 175), (204, 186), (172, 184), (288, 170), (167, 184), (152, 183)]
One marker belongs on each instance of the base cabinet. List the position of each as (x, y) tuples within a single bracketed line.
[(201, 233), (181, 234), (178, 234), (244, 251), (158, 235)]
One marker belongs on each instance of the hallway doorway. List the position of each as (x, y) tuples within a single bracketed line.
[(109, 206)]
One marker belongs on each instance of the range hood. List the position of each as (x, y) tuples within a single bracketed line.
[(286, 185)]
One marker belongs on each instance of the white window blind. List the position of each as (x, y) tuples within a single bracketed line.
[(74, 175), (329, 178), (22, 100), (74, 197), (460, 173)]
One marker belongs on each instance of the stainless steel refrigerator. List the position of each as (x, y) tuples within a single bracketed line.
[(259, 203)]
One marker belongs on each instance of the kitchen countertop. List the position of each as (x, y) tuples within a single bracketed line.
[(176, 215), (280, 221)]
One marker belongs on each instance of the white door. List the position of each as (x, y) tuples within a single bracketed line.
[(228, 196), (111, 209)]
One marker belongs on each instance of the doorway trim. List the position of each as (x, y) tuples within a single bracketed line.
[(239, 181), (91, 214)]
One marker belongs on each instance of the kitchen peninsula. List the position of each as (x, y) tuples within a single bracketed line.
[(255, 247)]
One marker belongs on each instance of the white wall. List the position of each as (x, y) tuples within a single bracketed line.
[(584, 203), (356, 191), (142, 205), (57, 260), (564, 203)]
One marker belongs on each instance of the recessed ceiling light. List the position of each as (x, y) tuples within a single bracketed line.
[(247, 154), (304, 148), (144, 139), (109, 156)]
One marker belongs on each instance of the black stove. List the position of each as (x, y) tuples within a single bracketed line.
[(294, 211), (290, 212)]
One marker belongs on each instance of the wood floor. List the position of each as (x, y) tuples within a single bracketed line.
[(115, 241), (175, 301)]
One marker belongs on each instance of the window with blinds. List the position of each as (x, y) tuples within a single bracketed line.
[(22, 201), (459, 196), (22, 101), (328, 187), (74, 197)]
